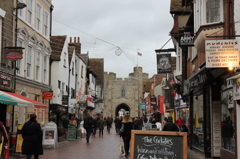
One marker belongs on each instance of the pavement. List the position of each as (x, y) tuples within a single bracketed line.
[(105, 147)]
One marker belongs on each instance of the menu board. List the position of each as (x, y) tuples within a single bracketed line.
[(158, 145)]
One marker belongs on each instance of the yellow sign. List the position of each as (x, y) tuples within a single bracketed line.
[(1, 146), (19, 143)]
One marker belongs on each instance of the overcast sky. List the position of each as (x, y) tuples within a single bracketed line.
[(104, 25)]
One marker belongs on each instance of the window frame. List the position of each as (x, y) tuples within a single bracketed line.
[(29, 61), (38, 65), (30, 11), (38, 16), (46, 23)]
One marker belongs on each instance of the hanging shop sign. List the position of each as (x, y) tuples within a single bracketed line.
[(6, 82), (187, 39), (64, 99), (164, 64), (47, 95), (153, 101), (143, 106), (222, 53), (14, 54)]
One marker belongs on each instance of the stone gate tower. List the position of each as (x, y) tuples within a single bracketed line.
[(123, 94)]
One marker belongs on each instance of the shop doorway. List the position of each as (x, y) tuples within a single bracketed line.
[(3, 110)]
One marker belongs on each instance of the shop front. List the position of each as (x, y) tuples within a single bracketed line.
[(56, 113), (205, 111)]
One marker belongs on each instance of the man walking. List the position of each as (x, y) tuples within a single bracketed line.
[(88, 123), (170, 126), (65, 124), (117, 122)]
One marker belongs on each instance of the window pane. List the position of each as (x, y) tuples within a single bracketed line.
[(212, 11)]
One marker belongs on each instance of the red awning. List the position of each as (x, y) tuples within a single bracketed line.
[(35, 103)]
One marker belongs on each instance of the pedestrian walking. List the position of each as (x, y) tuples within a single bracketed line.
[(32, 138), (179, 123), (136, 124), (88, 123), (3, 133), (94, 128), (100, 125), (109, 124), (170, 126), (117, 122), (227, 134), (65, 123), (125, 132)]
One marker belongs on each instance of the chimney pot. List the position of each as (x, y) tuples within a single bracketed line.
[(70, 39), (74, 39), (78, 39)]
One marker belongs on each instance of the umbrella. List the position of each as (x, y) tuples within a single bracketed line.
[(196, 120)]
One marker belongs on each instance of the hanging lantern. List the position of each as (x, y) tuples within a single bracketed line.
[(118, 51)]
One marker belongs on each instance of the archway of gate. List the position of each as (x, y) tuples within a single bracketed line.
[(122, 109)]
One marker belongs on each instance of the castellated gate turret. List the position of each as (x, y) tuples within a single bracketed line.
[(123, 95)]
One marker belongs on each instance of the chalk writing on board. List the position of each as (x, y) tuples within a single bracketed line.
[(157, 147)]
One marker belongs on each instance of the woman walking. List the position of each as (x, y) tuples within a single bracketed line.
[(32, 138), (126, 133)]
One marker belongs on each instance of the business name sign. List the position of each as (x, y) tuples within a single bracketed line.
[(222, 53), (187, 39), (6, 81), (164, 63)]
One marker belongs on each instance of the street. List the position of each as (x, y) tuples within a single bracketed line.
[(105, 147)]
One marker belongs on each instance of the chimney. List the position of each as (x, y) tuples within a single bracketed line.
[(70, 39), (76, 44)]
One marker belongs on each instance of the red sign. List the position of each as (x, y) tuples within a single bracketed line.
[(14, 54), (161, 104), (47, 95)]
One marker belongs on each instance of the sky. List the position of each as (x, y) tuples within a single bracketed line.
[(108, 28)]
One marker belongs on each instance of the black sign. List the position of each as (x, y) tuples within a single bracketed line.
[(187, 39), (164, 64), (64, 99), (199, 79), (6, 81), (159, 145)]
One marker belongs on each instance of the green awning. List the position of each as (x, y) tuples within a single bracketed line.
[(6, 100)]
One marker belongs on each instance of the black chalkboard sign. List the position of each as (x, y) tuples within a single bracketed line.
[(158, 145)]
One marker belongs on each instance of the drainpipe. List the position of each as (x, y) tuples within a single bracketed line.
[(227, 18)]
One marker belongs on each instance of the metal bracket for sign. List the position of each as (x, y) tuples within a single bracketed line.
[(222, 36)]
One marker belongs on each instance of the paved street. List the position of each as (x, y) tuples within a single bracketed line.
[(105, 147)]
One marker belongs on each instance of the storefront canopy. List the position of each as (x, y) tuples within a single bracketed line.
[(22, 100), (6, 100)]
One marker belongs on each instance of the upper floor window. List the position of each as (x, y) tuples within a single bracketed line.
[(38, 22), (30, 10), (65, 59), (29, 61), (38, 59), (72, 68), (213, 10), (59, 84), (45, 69), (82, 72), (123, 93), (46, 17)]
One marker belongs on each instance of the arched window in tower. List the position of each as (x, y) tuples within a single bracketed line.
[(123, 92)]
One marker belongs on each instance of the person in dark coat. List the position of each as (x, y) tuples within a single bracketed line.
[(126, 134), (227, 134), (136, 124), (170, 126), (117, 123), (100, 125), (94, 128), (88, 123), (32, 138)]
